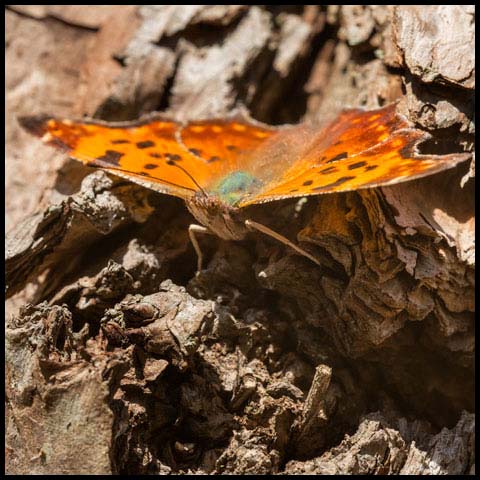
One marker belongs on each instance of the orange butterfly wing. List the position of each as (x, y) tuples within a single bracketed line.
[(360, 149), (161, 154)]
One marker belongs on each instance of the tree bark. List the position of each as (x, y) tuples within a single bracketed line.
[(120, 360)]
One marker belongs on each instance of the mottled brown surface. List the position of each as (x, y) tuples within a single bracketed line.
[(126, 362)]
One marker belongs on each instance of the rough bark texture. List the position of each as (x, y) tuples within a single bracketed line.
[(119, 360)]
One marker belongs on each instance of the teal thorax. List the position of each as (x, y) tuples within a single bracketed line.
[(236, 186)]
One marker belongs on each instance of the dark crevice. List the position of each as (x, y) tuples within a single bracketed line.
[(268, 105), (164, 102), (201, 35)]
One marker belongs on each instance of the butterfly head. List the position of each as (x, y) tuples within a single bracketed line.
[(223, 220)]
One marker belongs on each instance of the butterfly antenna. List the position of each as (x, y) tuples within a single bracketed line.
[(174, 164)]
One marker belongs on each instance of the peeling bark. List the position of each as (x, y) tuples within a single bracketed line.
[(121, 361)]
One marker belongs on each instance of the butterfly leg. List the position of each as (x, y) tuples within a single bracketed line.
[(192, 230), (251, 225)]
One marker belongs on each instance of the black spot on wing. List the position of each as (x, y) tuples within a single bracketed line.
[(231, 147), (307, 183), (213, 159), (145, 144), (353, 166), (370, 167), (150, 166), (328, 170), (195, 151), (337, 183), (112, 157), (119, 141), (173, 157), (338, 157), (155, 155)]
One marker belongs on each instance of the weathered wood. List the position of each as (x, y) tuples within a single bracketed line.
[(128, 363), (399, 447)]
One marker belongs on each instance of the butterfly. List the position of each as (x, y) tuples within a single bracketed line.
[(220, 166)]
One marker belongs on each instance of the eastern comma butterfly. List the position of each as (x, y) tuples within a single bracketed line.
[(220, 166)]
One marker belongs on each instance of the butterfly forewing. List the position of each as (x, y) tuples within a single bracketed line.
[(147, 152)]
